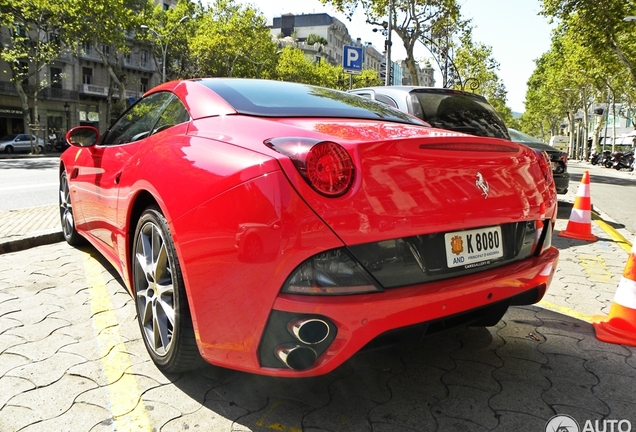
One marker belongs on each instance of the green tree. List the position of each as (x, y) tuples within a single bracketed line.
[(108, 31), (36, 38), (412, 20), (232, 40), (169, 31), (599, 26), (477, 68)]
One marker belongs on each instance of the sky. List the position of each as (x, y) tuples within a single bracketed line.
[(513, 28)]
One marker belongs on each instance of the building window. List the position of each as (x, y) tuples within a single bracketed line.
[(143, 85), (87, 75), (127, 58), (166, 6), (87, 49), (106, 49), (56, 77), (144, 58), (54, 38)]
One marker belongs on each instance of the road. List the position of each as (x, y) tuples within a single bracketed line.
[(611, 191), (28, 182)]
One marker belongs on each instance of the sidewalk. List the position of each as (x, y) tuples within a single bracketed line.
[(26, 228)]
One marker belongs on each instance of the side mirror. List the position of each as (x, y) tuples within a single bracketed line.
[(82, 136)]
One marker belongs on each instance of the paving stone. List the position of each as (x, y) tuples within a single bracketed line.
[(160, 413), (47, 371), (612, 387), (452, 424), (478, 344), (278, 414), (203, 420), (11, 386), (40, 330), (11, 361), (8, 323), (518, 397), (80, 417), (407, 410), (572, 384), (611, 363), (54, 399), (32, 312), (345, 413), (522, 348), (41, 349), (519, 421), (425, 380), (467, 403), (15, 418)]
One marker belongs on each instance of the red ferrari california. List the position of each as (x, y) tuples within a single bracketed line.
[(279, 228)]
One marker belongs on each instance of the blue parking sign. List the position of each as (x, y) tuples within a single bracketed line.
[(352, 59)]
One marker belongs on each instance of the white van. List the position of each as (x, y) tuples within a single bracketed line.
[(560, 142)]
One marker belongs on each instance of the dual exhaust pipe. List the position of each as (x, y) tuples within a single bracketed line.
[(309, 331)]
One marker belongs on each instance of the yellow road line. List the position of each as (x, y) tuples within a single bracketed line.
[(565, 311), (127, 408), (614, 235)]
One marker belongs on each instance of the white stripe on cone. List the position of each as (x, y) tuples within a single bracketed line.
[(581, 216), (626, 293)]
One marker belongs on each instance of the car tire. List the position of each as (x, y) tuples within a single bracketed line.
[(163, 313), (67, 219), (8, 149)]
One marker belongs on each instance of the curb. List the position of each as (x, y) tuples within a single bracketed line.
[(32, 240)]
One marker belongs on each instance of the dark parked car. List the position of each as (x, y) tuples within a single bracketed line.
[(465, 112), (558, 158)]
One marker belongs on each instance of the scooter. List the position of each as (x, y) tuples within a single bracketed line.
[(606, 159), (623, 160), (598, 157)]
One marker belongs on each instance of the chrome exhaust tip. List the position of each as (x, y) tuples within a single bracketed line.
[(310, 331), (296, 357)]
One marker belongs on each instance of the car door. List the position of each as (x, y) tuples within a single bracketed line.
[(99, 169), (23, 143)]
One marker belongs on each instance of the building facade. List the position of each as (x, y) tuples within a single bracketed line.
[(74, 88)]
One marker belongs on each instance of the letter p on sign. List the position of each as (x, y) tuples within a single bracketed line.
[(352, 59)]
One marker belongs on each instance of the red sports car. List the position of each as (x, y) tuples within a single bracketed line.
[(279, 228)]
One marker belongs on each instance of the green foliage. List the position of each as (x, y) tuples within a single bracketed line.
[(412, 20), (37, 32), (232, 40), (312, 39)]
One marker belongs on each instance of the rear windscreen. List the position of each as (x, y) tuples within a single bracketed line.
[(459, 112), (266, 98)]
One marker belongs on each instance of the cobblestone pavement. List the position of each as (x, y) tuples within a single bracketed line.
[(71, 359)]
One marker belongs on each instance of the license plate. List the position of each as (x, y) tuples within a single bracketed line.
[(473, 248)]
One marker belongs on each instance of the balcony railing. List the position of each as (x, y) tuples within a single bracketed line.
[(96, 90)]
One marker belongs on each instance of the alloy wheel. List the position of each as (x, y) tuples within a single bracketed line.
[(154, 289)]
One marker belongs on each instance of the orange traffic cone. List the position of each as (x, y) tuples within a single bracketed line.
[(620, 326), (580, 223)]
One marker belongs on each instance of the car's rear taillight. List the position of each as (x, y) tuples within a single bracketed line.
[(564, 158), (326, 166), (546, 166)]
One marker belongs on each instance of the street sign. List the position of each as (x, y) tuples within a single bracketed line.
[(352, 59)]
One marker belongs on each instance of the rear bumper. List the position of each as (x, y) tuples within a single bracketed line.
[(359, 319)]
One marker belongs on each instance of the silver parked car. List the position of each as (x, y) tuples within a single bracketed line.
[(20, 143), (442, 108)]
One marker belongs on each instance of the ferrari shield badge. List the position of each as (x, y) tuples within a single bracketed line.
[(482, 185), (457, 245)]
